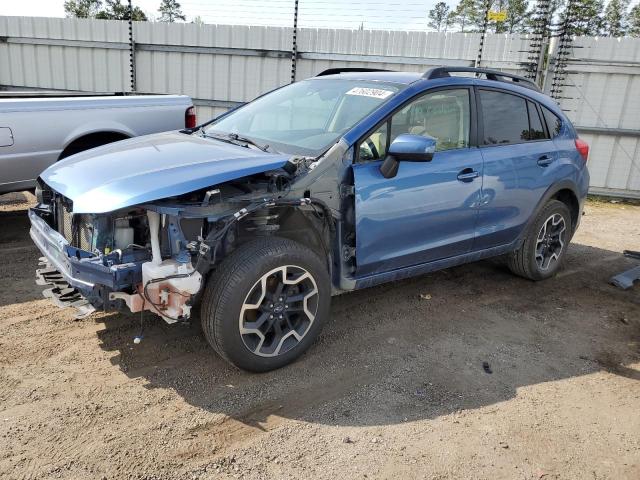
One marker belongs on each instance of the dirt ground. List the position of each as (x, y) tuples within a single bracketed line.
[(394, 388)]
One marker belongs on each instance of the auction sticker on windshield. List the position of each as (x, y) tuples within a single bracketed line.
[(370, 92)]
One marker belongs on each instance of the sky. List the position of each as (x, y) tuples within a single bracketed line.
[(374, 14)]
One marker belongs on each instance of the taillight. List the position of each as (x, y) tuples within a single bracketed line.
[(583, 148), (190, 117)]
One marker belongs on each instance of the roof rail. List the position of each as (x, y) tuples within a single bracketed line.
[(335, 71), (496, 75)]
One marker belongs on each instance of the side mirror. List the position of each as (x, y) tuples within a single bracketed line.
[(407, 148)]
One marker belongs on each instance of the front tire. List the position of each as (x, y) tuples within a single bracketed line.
[(266, 303), (541, 254)]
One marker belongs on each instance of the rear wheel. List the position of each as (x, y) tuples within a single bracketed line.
[(545, 245), (266, 303)]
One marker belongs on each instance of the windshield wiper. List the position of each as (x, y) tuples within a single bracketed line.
[(236, 139), (239, 138)]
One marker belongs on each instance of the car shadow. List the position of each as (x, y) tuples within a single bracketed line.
[(457, 339)]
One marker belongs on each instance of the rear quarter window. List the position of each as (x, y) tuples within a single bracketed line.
[(553, 122), (536, 129)]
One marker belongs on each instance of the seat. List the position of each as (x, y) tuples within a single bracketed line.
[(440, 118)]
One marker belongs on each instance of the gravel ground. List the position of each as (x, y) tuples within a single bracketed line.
[(394, 388)]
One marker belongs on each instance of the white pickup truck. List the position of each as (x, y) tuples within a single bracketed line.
[(38, 129)]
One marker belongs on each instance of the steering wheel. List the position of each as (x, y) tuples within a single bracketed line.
[(372, 147)]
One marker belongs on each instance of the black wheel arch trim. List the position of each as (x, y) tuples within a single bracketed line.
[(551, 192)]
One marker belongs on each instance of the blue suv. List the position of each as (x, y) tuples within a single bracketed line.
[(343, 181)]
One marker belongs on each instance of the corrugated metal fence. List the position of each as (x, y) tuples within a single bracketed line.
[(220, 66), (602, 98)]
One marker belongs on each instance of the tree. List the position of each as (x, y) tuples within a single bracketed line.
[(517, 14), (450, 21), (115, 10), (478, 16), (170, 11), (466, 14), (438, 15), (82, 8), (634, 21), (587, 18), (615, 18), (497, 6)]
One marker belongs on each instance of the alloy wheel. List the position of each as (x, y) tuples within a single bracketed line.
[(278, 311), (550, 241)]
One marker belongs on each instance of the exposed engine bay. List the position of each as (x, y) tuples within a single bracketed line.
[(156, 257)]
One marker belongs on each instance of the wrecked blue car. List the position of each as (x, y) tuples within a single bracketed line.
[(336, 183)]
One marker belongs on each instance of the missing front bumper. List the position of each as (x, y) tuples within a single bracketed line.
[(60, 292), (78, 278)]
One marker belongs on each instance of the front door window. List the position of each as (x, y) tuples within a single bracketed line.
[(443, 115)]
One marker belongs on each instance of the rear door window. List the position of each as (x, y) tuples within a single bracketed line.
[(505, 118)]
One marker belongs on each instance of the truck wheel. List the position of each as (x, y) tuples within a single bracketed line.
[(543, 250), (266, 303)]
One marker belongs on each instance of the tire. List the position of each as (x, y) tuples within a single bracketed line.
[(260, 339), (540, 247)]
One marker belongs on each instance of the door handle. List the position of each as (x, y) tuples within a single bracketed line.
[(545, 160), (467, 175)]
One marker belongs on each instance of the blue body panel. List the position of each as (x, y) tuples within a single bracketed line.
[(422, 214), (513, 183), (152, 167), (425, 217)]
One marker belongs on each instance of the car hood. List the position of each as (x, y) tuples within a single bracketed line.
[(152, 167)]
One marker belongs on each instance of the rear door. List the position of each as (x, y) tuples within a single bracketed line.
[(518, 158)]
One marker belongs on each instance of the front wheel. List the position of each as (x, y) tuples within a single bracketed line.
[(545, 245), (266, 303)]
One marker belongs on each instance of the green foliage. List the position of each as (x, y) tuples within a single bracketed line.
[(116, 10), (634, 21), (170, 11), (468, 15), (615, 18), (517, 13), (516, 16), (82, 8), (438, 16), (588, 18), (465, 15)]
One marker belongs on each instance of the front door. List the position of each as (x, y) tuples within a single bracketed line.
[(428, 211)]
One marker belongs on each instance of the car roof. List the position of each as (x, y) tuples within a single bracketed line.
[(391, 77), (407, 78)]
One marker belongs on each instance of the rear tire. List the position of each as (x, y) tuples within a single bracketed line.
[(266, 303), (541, 254)]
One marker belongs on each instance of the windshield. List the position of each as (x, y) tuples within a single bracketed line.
[(307, 117)]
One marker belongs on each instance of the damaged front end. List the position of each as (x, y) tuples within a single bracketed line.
[(106, 261), (155, 256)]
